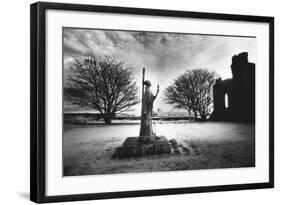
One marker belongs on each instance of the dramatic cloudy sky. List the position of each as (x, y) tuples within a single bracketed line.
[(165, 56)]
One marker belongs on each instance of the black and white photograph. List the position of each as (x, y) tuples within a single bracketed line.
[(141, 101), (144, 101)]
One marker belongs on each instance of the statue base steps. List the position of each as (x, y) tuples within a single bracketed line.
[(133, 147)]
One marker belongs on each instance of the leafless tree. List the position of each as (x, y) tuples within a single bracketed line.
[(101, 83), (193, 91)]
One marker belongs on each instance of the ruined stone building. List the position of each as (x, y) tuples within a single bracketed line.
[(234, 98)]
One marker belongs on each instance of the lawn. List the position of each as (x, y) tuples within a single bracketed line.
[(88, 149)]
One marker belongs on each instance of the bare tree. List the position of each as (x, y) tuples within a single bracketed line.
[(193, 91), (103, 83)]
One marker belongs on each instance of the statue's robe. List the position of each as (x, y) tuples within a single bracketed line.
[(146, 131)]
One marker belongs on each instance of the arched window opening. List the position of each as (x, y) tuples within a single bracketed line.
[(226, 100)]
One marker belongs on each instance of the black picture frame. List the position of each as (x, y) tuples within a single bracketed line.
[(38, 101)]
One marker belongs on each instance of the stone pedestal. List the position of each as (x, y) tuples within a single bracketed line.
[(133, 147)]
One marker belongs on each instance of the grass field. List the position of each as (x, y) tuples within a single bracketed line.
[(87, 149)]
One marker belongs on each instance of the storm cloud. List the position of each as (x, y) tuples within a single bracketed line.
[(164, 55)]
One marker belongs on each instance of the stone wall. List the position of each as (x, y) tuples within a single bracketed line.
[(240, 91)]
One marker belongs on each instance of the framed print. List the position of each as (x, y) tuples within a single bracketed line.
[(129, 102)]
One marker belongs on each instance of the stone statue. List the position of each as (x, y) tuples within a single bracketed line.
[(146, 131), (147, 143)]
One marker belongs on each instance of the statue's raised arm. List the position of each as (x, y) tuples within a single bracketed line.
[(156, 92)]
